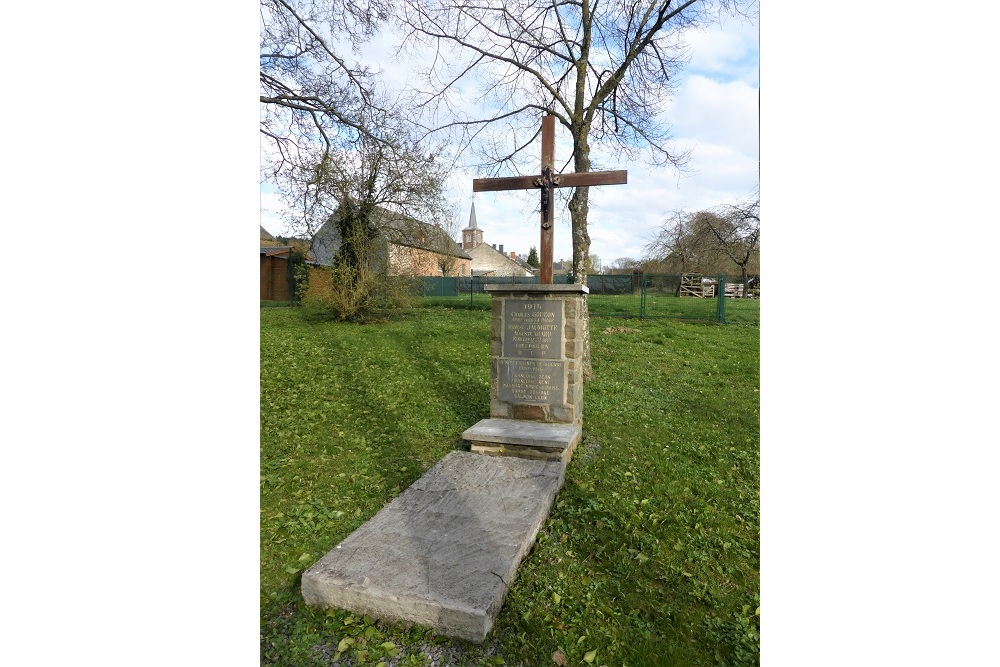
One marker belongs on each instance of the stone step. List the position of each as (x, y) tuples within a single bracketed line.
[(522, 438), (444, 552)]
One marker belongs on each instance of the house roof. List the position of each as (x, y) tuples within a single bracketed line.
[(523, 264), (264, 234), (402, 230), (485, 253), (269, 251), (275, 250), (489, 247), (416, 234)]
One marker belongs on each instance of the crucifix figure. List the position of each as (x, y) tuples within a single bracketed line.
[(547, 182)]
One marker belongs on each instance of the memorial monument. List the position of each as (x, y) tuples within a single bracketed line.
[(444, 552), (536, 374)]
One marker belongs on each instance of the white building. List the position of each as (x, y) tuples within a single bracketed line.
[(490, 260)]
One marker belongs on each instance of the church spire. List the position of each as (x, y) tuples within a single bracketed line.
[(472, 235), (472, 218)]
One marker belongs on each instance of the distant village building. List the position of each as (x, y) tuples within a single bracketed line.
[(487, 259), (408, 246), (562, 266)]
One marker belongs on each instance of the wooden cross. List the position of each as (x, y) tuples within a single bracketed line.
[(547, 182)]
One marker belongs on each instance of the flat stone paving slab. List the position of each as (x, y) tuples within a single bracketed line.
[(444, 552), (523, 432)]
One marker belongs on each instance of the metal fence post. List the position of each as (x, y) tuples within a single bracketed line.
[(722, 300), (642, 295)]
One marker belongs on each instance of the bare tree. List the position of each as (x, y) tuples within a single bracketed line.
[(384, 172), (603, 69), (710, 241), (361, 203), (594, 263), (625, 264), (685, 244), (736, 227), (314, 98), (444, 242)]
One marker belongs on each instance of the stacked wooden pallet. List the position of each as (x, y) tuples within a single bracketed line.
[(693, 284)]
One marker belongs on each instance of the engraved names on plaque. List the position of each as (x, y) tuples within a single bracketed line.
[(533, 381), (532, 329), (531, 369)]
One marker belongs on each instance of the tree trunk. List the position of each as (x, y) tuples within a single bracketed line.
[(578, 209)]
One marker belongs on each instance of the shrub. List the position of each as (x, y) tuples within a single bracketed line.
[(346, 293)]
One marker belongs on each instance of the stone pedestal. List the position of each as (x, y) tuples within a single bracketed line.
[(536, 378)]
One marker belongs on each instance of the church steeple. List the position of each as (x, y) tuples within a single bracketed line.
[(472, 235)]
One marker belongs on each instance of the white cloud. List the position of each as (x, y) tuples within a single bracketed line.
[(722, 169), (728, 51), (710, 110)]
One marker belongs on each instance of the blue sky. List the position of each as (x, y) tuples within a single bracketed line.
[(714, 114)]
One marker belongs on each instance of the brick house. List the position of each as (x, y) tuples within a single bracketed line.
[(410, 247)]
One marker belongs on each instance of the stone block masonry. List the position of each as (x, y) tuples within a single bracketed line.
[(526, 439), (536, 384), (537, 348)]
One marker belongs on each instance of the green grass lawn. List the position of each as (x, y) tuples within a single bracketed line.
[(651, 554)]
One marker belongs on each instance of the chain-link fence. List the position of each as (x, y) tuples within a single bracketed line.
[(685, 297), (682, 297)]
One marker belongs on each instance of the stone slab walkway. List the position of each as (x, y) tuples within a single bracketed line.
[(444, 552)]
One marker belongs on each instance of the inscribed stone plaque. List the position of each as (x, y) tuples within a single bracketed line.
[(531, 381), (532, 329)]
